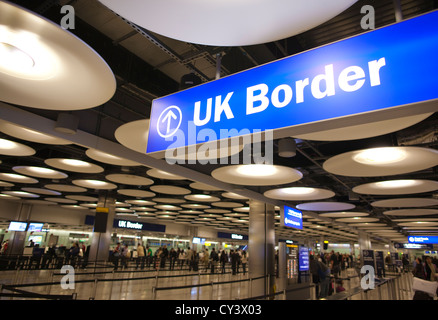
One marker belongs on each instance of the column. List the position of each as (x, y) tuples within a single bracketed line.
[(261, 246), (103, 227), (17, 239), (364, 244)]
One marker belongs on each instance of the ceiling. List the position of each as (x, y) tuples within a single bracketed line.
[(148, 65)]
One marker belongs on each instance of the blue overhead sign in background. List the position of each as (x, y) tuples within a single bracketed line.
[(394, 66), (423, 239), (291, 218)]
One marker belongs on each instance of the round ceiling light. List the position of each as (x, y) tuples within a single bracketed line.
[(109, 158), (202, 198), (129, 179), (299, 194), (160, 174), (42, 191), (411, 212), (44, 66), (169, 200), (18, 178), (348, 214), (30, 135), (40, 172), (393, 187), (203, 186), (21, 194), (357, 220), (243, 22), (325, 206), (94, 184), (136, 193), (65, 188), (73, 165), (405, 203), (256, 174), (385, 161), (363, 131), (170, 190), (12, 148)]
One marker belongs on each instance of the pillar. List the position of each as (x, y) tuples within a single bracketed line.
[(364, 244), (17, 239), (261, 246), (103, 227)]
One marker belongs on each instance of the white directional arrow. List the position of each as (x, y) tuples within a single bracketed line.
[(168, 117)]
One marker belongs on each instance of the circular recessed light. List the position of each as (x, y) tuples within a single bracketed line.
[(357, 220), (74, 207), (44, 66), (61, 200), (139, 202), (65, 188), (12, 148), (160, 174), (244, 22), (385, 161), (8, 197), (42, 191), (169, 200), (405, 203), (202, 198), (392, 187), (94, 184), (18, 178), (348, 214), (225, 204), (195, 206), (139, 129), (203, 186), (256, 174), (21, 194), (40, 172), (232, 195), (129, 179), (411, 212), (30, 135), (167, 207), (325, 206), (82, 198), (73, 165), (377, 128), (170, 190), (136, 193), (109, 158), (299, 193)]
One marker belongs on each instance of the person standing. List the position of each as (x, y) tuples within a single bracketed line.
[(244, 261), (190, 258), (314, 269), (214, 258), (173, 255), (140, 256), (234, 261), (223, 260)]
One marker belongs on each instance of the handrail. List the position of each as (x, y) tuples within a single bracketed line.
[(311, 285), (26, 294)]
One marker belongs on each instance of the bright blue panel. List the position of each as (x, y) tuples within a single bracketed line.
[(293, 218), (388, 67)]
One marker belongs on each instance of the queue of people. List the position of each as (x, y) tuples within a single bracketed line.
[(163, 258)]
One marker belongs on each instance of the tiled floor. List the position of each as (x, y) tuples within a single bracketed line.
[(142, 288)]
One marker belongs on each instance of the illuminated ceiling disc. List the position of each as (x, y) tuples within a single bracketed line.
[(129, 179), (6, 184), (418, 224), (384, 161), (299, 194), (170, 190), (73, 165), (94, 184), (21, 194), (232, 195), (363, 131), (394, 187), (348, 214), (256, 174), (201, 198), (23, 133), (367, 225), (65, 188), (405, 203), (40, 172), (138, 129), (136, 193), (225, 204), (160, 174), (42, 191), (203, 186), (82, 198), (357, 220), (169, 200), (325, 206), (109, 158), (61, 200), (12, 148), (18, 178), (411, 212), (139, 202), (206, 151), (44, 66), (243, 22)]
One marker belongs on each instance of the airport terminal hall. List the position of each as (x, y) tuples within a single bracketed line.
[(218, 158)]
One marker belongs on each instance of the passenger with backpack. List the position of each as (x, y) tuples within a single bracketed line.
[(324, 278)]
